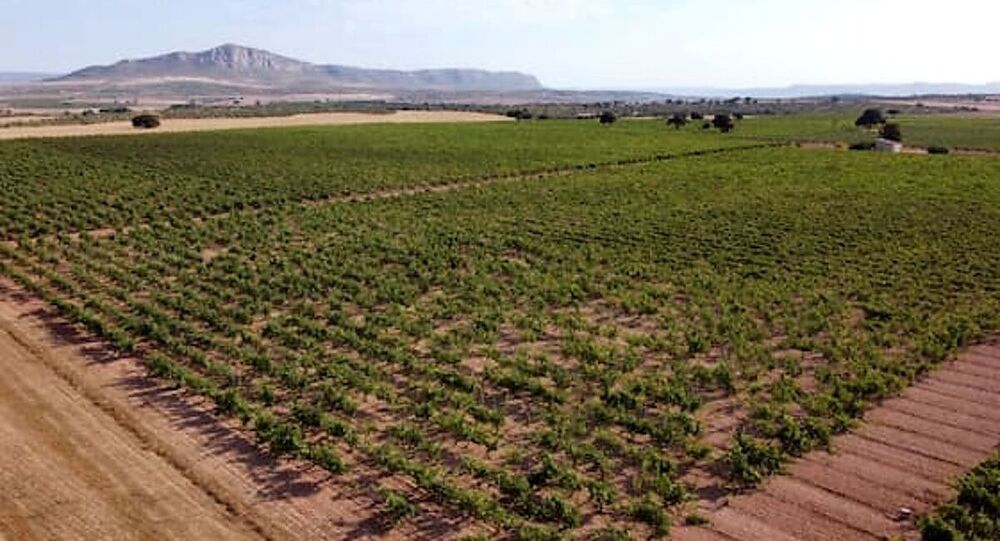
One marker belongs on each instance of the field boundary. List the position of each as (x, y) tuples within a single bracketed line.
[(881, 477)]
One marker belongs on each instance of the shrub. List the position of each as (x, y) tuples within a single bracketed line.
[(328, 458), (696, 519), (750, 459), (607, 117), (938, 150), (651, 512), (146, 121), (610, 533), (397, 505), (697, 116), (866, 145)]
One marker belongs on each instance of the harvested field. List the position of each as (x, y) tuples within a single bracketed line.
[(177, 125), (904, 456)]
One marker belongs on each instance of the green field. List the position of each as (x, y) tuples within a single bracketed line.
[(947, 130), (552, 356), (84, 183)]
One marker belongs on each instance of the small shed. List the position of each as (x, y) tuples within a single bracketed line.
[(885, 145)]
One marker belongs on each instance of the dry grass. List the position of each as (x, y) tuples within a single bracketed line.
[(212, 124)]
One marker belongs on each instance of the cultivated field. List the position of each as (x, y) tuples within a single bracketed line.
[(955, 131), (532, 330)]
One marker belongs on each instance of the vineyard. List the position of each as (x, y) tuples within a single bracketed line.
[(584, 354), (74, 184), (980, 133)]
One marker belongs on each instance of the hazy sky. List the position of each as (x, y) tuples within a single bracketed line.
[(566, 43)]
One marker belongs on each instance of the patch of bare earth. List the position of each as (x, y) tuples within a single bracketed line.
[(881, 477), (91, 448), (173, 125)]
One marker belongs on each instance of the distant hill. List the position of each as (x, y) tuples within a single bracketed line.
[(235, 65), (809, 91), (23, 76)]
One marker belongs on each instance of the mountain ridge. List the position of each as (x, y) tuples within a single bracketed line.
[(240, 64)]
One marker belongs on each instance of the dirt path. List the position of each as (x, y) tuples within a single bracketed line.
[(70, 471), (904, 456), (91, 448), (174, 125)]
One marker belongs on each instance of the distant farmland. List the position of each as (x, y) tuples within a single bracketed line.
[(531, 330)]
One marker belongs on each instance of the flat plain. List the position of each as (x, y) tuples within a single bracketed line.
[(531, 330)]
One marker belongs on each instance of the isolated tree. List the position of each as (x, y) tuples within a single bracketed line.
[(723, 122), (677, 120), (870, 118), (607, 117), (891, 132), (519, 114), (146, 121)]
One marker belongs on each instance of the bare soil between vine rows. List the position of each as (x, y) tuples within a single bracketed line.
[(90, 448), (878, 479)]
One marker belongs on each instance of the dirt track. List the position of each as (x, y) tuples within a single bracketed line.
[(174, 125), (903, 456), (90, 448), (70, 471)]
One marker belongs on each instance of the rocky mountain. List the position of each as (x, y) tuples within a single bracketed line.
[(245, 66)]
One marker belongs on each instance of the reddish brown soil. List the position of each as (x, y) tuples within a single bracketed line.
[(90, 448), (70, 471), (904, 455)]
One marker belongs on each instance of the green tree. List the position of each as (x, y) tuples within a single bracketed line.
[(723, 122), (870, 118), (146, 121), (677, 120)]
